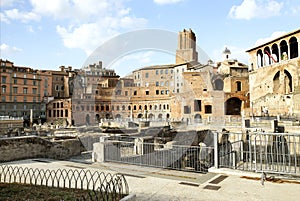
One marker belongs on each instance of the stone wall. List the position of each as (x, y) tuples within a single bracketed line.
[(31, 147)]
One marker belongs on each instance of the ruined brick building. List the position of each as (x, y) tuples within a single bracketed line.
[(186, 90), (274, 77)]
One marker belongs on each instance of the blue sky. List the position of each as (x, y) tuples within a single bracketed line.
[(45, 34)]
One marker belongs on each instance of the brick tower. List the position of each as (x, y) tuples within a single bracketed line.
[(186, 50)]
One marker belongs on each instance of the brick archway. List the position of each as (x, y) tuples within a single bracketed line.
[(233, 106)]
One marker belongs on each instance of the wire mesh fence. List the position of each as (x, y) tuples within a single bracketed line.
[(100, 185)]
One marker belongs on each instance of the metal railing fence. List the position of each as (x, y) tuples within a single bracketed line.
[(102, 186), (177, 157), (268, 152)]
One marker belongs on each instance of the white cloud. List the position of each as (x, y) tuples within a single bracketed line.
[(164, 2), (15, 14), (3, 18), (99, 22), (85, 36), (80, 24), (295, 10), (8, 3), (78, 10), (138, 59), (7, 51), (250, 9), (274, 35)]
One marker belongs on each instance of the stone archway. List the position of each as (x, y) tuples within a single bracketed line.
[(233, 106), (160, 116), (97, 117), (151, 116), (140, 116), (197, 118), (118, 116)]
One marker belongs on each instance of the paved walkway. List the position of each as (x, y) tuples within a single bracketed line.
[(160, 184)]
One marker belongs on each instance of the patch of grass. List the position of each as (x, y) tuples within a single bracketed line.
[(14, 191)]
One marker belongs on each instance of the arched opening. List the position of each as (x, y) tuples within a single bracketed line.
[(87, 119), (284, 50), (140, 107), (97, 117), (107, 116), (276, 83), (233, 106), (259, 56), (238, 86), (160, 116), (293, 47), (150, 107), (129, 107), (267, 53), (168, 116), (288, 82), (145, 107), (151, 116), (275, 52), (219, 84), (123, 107), (197, 118), (118, 116), (140, 116)]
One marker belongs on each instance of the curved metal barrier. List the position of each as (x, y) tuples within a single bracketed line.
[(102, 186)]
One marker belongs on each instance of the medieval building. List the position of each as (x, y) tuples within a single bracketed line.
[(274, 78)]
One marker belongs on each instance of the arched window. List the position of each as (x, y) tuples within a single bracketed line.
[(150, 107), (259, 56), (123, 107), (293, 47), (267, 56), (238, 86), (284, 50), (145, 107), (275, 52), (3, 89), (129, 107)]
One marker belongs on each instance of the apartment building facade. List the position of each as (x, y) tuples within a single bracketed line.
[(22, 92)]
